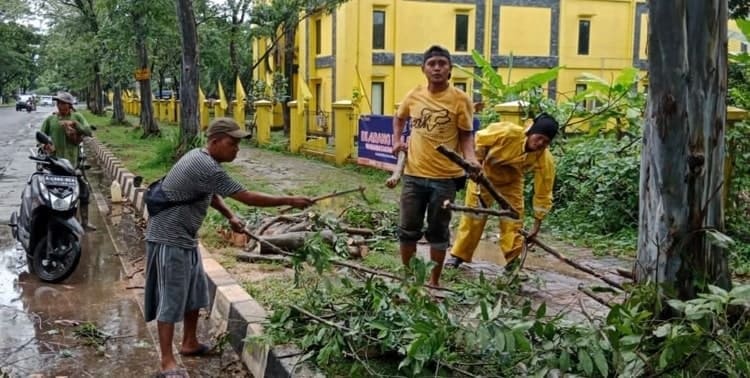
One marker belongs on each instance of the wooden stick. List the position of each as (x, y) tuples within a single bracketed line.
[(338, 262), (479, 179), (543, 246), (396, 176), (478, 210), (361, 190), (593, 296)]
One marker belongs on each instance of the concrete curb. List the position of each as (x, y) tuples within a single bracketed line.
[(233, 310)]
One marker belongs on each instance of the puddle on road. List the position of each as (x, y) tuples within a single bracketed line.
[(37, 319)]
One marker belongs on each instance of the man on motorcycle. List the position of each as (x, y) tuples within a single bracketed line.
[(67, 129)]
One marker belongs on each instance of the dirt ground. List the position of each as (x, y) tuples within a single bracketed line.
[(551, 280)]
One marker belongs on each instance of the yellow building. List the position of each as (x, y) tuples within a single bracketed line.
[(373, 48)]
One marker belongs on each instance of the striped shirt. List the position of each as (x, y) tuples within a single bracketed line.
[(195, 175)]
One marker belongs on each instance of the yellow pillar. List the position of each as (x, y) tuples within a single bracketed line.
[(218, 111), (238, 113), (344, 123), (165, 110), (297, 128), (177, 109), (734, 115), (263, 120), (510, 113), (157, 107), (138, 107), (173, 110), (204, 115)]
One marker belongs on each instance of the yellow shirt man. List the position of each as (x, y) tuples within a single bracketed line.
[(440, 114), (508, 152)]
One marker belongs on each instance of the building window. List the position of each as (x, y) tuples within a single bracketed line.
[(584, 31), (580, 88), (743, 47), (462, 32), (378, 29), (318, 36), (460, 85), (318, 96), (378, 97)]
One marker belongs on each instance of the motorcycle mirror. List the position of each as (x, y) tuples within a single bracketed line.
[(43, 138)]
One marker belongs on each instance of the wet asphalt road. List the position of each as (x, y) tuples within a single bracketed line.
[(37, 320)]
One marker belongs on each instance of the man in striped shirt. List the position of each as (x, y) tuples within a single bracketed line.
[(175, 281)]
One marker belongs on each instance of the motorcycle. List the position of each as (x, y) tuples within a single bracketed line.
[(46, 225)]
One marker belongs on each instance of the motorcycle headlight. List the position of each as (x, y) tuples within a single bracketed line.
[(61, 204)]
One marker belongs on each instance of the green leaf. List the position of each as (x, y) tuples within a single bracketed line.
[(719, 239), (717, 290), (564, 361), (585, 362), (744, 26), (601, 363), (522, 342), (627, 77), (631, 339), (510, 342), (663, 330), (499, 342), (541, 311), (664, 358), (533, 81)]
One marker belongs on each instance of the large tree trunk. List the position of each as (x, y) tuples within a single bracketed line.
[(289, 37), (189, 82), (97, 105), (148, 122), (118, 110), (683, 147)]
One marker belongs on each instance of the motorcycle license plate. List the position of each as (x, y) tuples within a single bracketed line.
[(60, 180)]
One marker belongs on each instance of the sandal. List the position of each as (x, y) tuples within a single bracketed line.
[(454, 262)]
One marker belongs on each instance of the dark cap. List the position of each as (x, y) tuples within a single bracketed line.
[(436, 50), (226, 126), (544, 124)]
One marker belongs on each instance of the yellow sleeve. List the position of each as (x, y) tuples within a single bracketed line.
[(403, 108), (544, 181)]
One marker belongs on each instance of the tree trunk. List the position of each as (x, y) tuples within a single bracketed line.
[(681, 208), (289, 37), (148, 122), (98, 99), (189, 80), (118, 110)]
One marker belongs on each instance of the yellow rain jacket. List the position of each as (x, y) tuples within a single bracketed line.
[(501, 149)]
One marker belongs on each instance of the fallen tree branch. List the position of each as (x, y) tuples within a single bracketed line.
[(361, 191), (593, 296), (358, 231), (477, 210), (480, 179), (545, 247), (250, 257)]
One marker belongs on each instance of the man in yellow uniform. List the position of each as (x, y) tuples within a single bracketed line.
[(440, 114), (507, 152)]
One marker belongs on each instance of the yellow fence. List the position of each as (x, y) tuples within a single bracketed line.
[(169, 111)]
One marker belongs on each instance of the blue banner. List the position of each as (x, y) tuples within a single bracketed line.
[(375, 141)]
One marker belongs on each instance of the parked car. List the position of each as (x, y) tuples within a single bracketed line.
[(45, 101)]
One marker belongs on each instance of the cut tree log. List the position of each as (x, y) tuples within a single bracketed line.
[(357, 231), (256, 258), (291, 241)]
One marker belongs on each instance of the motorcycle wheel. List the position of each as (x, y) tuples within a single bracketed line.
[(56, 270)]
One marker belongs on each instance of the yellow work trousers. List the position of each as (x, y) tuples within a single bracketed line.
[(471, 227)]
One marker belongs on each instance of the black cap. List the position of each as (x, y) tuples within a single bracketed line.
[(544, 124), (436, 50)]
